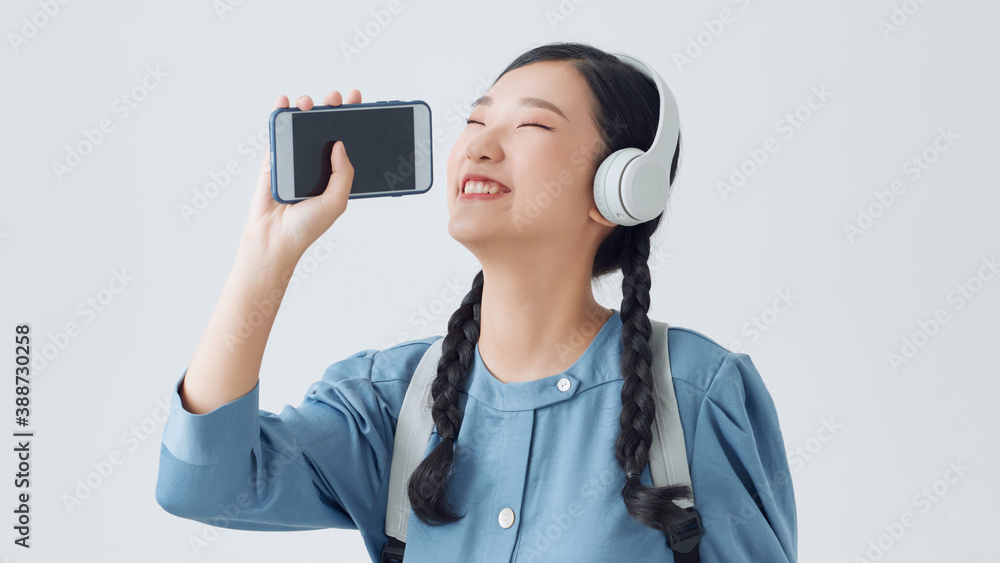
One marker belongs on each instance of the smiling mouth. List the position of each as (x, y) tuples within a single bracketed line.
[(486, 187)]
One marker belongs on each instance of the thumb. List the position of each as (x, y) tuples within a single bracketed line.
[(341, 179)]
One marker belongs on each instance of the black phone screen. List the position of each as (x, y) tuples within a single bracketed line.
[(379, 143)]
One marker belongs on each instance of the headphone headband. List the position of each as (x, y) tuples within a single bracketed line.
[(631, 185), (665, 141)]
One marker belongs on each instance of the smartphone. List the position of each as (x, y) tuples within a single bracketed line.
[(388, 142)]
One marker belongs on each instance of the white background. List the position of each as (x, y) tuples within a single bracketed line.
[(722, 260)]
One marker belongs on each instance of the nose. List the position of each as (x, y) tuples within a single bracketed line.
[(484, 145)]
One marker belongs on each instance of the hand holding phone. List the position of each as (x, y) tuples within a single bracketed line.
[(284, 232)]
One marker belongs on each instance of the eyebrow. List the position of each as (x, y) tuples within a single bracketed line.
[(527, 101)]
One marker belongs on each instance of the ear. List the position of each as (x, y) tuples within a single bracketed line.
[(598, 217)]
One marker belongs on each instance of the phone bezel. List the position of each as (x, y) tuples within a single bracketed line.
[(285, 192)]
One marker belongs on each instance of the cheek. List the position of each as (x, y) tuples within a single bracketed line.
[(558, 174), (559, 197), (544, 213)]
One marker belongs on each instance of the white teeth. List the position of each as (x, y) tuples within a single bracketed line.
[(477, 187)]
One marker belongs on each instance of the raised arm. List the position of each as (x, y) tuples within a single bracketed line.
[(226, 363)]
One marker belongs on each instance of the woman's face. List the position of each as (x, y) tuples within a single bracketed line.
[(548, 168)]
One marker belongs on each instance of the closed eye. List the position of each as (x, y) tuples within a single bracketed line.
[(467, 121)]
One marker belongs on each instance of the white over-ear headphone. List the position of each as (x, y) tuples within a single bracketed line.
[(631, 185)]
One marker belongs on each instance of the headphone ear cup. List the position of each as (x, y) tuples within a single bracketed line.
[(608, 189), (645, 194)]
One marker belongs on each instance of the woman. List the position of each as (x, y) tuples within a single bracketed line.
[(542, 414)]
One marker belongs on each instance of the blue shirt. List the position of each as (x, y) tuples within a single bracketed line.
[(546, 454)]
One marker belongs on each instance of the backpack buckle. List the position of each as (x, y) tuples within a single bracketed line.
[(687, 534), (392, 552)]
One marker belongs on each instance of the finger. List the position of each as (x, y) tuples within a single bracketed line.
[(304, 103), (264, 177), (282, 102), (320, 212), (354, 96), (265, 166), (339, 187), (262, 199), (332, 98)]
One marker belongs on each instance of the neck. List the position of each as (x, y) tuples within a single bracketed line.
[(538, 320)]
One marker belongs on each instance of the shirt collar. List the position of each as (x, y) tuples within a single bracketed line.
[(600, 363)]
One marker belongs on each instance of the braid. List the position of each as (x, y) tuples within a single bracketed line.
[(652, 506), (427, 485)]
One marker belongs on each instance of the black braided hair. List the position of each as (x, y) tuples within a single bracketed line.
[(626, 110), (426, 487), (653, 506)]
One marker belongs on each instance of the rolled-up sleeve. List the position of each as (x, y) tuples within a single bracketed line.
[(741, 471), (322, 464)]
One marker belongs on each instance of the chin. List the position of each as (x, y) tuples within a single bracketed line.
[(464, 230), (473, 234)]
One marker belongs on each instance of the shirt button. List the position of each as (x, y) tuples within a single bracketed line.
[(506, 518), (563, 384)]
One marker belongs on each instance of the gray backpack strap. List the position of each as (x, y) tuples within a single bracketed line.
[(413, 430), (667, 455), (668, 462)]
